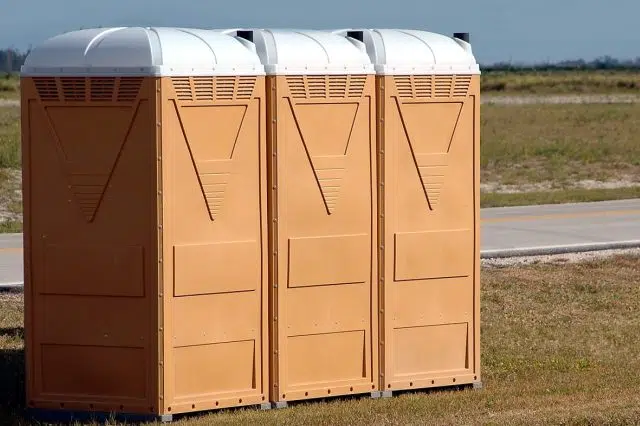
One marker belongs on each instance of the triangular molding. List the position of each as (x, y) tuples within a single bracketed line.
[(211, 134), (430, 137), (327, 155), (89, 168)]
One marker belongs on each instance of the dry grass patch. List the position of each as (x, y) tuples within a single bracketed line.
[(9, 87), (559, 346), (560, 143), (560, 82)]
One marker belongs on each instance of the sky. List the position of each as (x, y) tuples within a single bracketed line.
[(519, 31)]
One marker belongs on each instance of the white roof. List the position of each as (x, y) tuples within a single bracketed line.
[(396, 51), (307, 52), (143, 52)]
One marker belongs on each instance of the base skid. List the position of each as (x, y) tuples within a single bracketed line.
[(478, 385), (265, 406), (279, 404), (66, 416)]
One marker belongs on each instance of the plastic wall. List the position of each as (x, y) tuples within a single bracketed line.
[(145, 243), (214, 310), (322, 210), (429, 192), (91, 243)]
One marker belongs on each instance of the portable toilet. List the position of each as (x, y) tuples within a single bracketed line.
[(321, 143), (144, 176), (428, 127)]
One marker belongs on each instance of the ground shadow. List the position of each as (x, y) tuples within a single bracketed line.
[(12, 388)]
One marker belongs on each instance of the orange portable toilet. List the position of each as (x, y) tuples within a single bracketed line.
[(428, 107), (144, 176), (321, 143)]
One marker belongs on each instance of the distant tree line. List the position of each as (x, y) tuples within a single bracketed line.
[(601, 63), (12, 59)]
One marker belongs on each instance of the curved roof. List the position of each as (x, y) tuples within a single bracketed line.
[(307, 52), (142, 51), (399, 51)]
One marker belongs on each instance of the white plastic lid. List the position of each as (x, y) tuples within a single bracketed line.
[(142, 52), (305, 52), (402, 52)]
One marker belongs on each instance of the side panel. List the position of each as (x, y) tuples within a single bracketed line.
[(325, 304), (90, 243), (430, 276), (214, 234)]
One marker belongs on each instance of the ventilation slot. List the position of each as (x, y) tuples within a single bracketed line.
[(423, 86), (225, 86), (297, 87), (214, 88), (46, 88), (93, 89), (337, 87), (182, 86), (129, 89), (404, 86), (429, 86), (312, 87), (203, 88), (461, 85), (443, 86), (316, 87), (74, 89), (102, 89), (245, 87), (356, 86)]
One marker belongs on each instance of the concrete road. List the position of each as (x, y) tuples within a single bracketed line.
[(549, 229), (505, 232), (11, 274)]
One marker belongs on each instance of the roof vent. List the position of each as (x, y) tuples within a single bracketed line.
[(462, 36), (358, 35), (245, 34)]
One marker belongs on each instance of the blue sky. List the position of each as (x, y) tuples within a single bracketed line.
[(528, 31)]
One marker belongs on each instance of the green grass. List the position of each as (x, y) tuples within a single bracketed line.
[(560, 82), (559, 346), (559, 143), (572, 195)]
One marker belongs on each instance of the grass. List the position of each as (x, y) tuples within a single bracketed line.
[(560, 82), (559, 143), (9, 87), (559, 346), (10, 156), (571, 195)]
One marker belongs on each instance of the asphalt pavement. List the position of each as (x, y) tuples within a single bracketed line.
[(505, 232)]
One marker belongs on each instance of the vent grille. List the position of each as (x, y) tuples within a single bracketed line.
[(102, 89), (430, 86), (47, 88), (214, 88), (129, 88), (92, 89), (313, 87), (74, 89)]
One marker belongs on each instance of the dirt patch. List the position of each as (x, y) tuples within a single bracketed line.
[(559, 99), (500, 188), (558, 259)]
